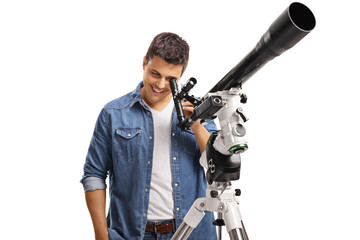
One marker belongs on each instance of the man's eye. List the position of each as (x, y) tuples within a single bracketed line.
[(155, 74)]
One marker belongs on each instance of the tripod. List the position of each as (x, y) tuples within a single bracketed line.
[(219, 198)]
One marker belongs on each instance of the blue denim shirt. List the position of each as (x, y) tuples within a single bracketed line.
[(122, 146)]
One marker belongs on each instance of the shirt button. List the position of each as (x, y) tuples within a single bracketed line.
[(148, 113), (176, 184), (129, 135), (144, 215), (173, 134), (177, 209), (149, 162), (150, 137), (146, 189), (174, 158)]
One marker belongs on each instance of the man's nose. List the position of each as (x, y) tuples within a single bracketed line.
[(161, 83)]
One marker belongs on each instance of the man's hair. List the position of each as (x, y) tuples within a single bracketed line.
[(170, 47)]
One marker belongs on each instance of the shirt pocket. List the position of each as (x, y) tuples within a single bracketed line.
[(127, 143)]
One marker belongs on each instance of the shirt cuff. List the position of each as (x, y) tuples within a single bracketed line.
[(94, 183)]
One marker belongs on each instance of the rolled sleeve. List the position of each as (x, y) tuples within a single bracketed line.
[(99, 159), (93, 183)]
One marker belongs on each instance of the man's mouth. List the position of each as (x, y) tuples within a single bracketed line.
[(158, 91)]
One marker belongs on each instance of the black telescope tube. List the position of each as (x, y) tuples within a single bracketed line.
[(286, 31)]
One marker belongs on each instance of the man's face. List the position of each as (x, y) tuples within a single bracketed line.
[(156, 91)]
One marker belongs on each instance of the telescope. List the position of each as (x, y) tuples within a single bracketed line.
[(286, 31), (224, 101)]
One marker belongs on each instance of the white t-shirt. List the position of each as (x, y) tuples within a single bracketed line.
[(161, 201)]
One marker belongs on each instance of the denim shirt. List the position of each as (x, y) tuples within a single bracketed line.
[(122, 147)]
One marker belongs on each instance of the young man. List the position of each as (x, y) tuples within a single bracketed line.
[(153, 166)]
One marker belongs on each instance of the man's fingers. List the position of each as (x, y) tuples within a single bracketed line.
[(187, 104)]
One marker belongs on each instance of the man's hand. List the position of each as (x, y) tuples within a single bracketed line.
[(201, 134), (188, 108)]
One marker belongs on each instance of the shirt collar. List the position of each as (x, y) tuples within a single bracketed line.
[(136, 96)]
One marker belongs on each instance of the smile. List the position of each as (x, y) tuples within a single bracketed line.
[(156, 90)]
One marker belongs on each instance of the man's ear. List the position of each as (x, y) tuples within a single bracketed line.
[(144, 63)]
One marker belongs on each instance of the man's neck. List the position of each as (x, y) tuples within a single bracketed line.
[(158, 106)]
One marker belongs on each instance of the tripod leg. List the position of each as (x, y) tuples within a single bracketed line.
[(234, 223), (239, 232), (191, 220), (219, 227)]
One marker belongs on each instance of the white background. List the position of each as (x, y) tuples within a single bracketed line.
[(61, 61)]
